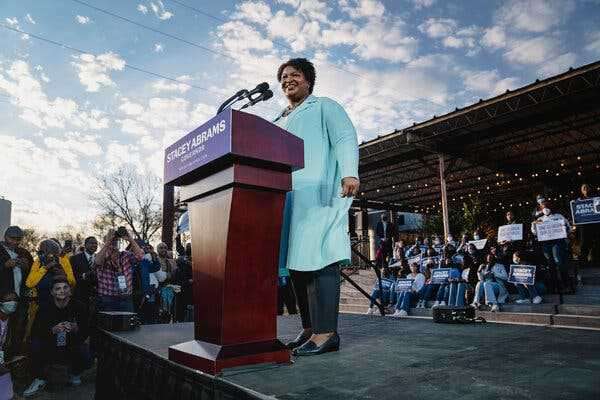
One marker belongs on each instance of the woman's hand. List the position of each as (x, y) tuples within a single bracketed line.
[(350, 186)]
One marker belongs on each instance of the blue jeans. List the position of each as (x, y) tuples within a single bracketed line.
[(492, 291), (404, 301), (456, 295), (555, 251), (526, 291), (442, 293), (479, 292), (426, 292), (375, 294), (114, 303)]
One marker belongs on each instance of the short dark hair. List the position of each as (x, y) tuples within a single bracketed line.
[(87, 239), (60, 278), (303, 65)]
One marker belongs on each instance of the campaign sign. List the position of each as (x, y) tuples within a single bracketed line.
[(430, 260), (458, 259), (510, 233), (414, 260), (479, 244), (440, 275), (586, 211), (204, 144), (404, 285), (523, 274), (551, 230)]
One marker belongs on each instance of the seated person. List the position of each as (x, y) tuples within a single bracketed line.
[(492, 278), (528, 293), (8, 305), (59, 333), (414, 250), (428, 289), (387, 283), (454, 277), (405, 298)]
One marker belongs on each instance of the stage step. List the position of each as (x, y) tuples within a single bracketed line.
[(516, 318), (577, 321), (579, 309)]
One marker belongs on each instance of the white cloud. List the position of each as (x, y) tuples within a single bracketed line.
[(73, 145), (419, 4), (30, 19), (558, 64), (494, 37), (488, 83), (258, 12), (533, 51), (93, 70), (44, 77), (131, 108), (458, 42), (142, 8), (159, 10), (27, 94), (158, 47), (133, 126), (81, 19), (363, 9), (12, 21), (534, 15), (163, 85), (384, 40), (237, 38), (593, 42), (438, 27)]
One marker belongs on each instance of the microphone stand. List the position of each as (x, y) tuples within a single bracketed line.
[(236, 97), (264, 96)]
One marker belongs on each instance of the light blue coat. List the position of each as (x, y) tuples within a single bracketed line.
[(315, 227)]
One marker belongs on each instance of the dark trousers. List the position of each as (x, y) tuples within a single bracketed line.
[(287, 298), (588, 239), (76, 356), (318, 294)]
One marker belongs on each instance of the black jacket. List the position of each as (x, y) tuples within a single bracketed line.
[(85, 287), (7, 282), (50, 315)]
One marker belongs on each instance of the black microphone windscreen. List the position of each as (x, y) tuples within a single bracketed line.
[(267, 95), (261, 87)]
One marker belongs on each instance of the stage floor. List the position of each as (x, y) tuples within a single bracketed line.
[(384, 358)]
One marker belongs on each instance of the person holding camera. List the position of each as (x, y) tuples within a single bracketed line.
[(45, 268), (114, 271), (59, 335), (15, 264)]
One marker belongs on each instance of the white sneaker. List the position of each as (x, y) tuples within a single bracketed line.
[(370, 311), (442, 303), (397, 314), (436, 304), (475, 304), (523, 301), (537, 300), (421, 304), (75, 380), (403, 313), (495, 308), (36, 386)]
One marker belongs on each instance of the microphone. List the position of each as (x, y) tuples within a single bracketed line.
[(266, 95), (241, 94), (260, 88)]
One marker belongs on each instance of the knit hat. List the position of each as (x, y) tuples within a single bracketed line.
[(14, 232)]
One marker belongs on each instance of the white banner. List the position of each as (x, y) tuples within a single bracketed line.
[(479, 244), (510, 233), (551, 230)]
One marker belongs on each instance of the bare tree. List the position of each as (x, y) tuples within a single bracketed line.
[(129, 198)]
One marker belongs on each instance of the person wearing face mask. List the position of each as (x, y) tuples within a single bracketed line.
[(315, 243), (404, 300), (386, 233), (555, 251), (8, 306), (415, 249), (463, 246), (450, 241), (59, 335), (537, 212), (528, 293), (492, 278)]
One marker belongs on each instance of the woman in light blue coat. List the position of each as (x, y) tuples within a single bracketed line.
[(315, 238)]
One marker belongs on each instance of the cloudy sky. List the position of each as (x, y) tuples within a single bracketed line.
[(68, 116)]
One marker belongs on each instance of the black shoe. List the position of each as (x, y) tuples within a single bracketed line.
[(311, 349), (299, 341)]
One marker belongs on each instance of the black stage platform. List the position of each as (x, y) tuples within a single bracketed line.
[(381, 358)]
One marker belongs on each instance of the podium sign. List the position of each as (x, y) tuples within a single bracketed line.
[(234, 172)]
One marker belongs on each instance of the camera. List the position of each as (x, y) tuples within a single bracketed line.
[(121, 232)]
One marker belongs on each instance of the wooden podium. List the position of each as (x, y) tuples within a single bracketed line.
[(234, 172)]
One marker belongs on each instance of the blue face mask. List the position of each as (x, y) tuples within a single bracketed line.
[(8, 307)]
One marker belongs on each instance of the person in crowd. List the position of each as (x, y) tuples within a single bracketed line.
[(8, 306), (452, 292), (384, 297), (463, 246), (60, 333), (184, 279), (555, 251), (169, 267), (415, 249), (406, 298), (386, 233), (114, 272), (83, 270), (146, 286), (398, 259), (508, 248), (588, 234), (528, 293), (427, 290), (45, 268), (492, 283), (450, 241), (15, 264), (537, 211)]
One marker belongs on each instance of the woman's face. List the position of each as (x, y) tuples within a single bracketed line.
[(414, 268), (293, 83)]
